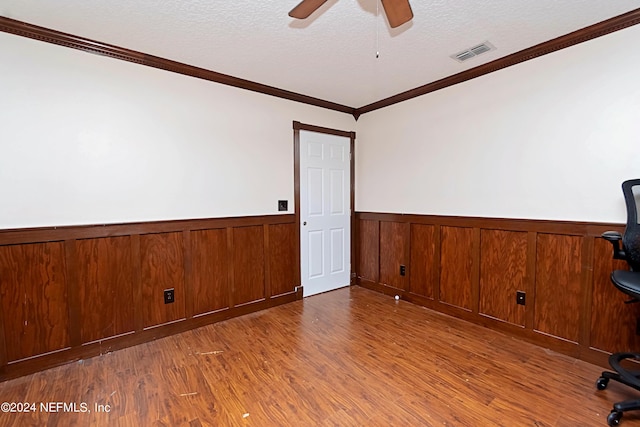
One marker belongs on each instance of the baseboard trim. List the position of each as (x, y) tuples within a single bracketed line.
[(98, 348)]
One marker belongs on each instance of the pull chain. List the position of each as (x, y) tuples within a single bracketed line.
[(377, 29)]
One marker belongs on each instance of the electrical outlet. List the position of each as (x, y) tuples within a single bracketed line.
[(521, 298), (403, 270), (169, 296), (283, 205)]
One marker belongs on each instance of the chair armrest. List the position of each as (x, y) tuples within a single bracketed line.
[(615, 237), (611, 236)]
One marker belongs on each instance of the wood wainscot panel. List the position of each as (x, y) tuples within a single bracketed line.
[(282, 255), (33, 289), (558, 280), (425, 251), (394, 241), (571, 306), (369, 250), (613, 323), (68, 293), (162, 267), (248, 265), (503, 264), (209, 271), (456, 266), (105, 287)]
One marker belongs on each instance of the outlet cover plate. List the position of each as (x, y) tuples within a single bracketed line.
[(169, 296)]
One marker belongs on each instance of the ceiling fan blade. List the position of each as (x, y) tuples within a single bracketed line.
[(306, 8), (398, 12)]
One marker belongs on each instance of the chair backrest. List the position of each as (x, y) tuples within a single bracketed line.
[(631, 236)]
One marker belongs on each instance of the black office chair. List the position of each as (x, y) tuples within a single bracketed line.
[(629, 283)]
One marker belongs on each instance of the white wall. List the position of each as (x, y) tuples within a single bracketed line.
[(90, 140), (551, 138), (86, 139)]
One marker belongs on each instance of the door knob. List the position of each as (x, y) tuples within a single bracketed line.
[(304, 223)]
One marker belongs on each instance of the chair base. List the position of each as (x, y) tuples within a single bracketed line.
[(624, 376)]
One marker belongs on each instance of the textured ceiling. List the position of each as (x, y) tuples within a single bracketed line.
[(332, 54)]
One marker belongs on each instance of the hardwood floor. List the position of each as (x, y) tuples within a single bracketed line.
[(350, 357)]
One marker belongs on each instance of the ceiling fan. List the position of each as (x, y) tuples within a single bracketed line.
[(398, 11)]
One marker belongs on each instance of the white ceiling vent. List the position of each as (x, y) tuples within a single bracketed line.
[(473, 51)]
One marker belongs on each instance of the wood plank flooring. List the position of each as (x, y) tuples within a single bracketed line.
[(350, 357)]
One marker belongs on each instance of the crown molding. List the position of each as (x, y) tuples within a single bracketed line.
[(24, 29), (617, 23), (31, 31)]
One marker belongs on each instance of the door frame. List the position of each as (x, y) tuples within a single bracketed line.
[(297, 127)]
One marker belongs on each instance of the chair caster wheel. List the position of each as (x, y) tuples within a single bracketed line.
[(602, 383), (614, 418)]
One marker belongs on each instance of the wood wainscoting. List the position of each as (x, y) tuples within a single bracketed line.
[(473, 268), (69, 293)]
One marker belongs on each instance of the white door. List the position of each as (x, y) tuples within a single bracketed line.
[(325, 211)]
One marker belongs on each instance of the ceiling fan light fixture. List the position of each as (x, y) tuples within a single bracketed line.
[(398, 11), (305, 8)]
